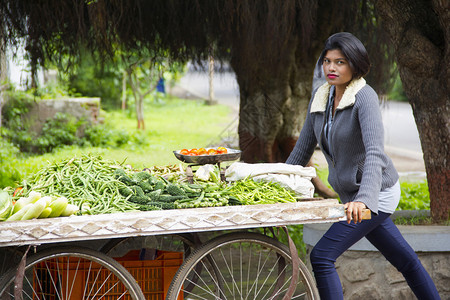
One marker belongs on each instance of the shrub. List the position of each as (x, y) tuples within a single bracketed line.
[(415, 196), (102, 136), (8, 158), (16, 130), (58, 131)]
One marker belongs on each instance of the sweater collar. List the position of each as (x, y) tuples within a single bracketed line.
[(319, 103)]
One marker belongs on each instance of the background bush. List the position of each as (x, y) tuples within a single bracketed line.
[(57, 132), (415, 196), (9, 173)]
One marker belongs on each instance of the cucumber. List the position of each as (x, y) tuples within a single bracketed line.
[(45, 213), (18, 215), (6, 205), (32, 198), (35, 210), (58, 206), (69, 210)]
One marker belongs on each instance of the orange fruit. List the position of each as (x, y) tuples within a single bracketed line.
[(212, 151), (222, 150)]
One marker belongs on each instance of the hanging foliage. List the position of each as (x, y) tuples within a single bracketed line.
[(185, 29)]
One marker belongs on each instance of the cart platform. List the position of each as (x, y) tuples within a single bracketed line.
[(132, 224)]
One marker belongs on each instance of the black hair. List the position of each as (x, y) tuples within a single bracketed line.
[(353, 50)]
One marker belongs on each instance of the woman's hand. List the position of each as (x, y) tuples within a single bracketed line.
[(354, 211)]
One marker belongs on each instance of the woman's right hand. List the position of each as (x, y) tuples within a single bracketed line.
[(354, 211)]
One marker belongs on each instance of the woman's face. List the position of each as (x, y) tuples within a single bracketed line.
[(336, 68)]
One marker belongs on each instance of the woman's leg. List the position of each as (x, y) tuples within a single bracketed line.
[(334, 242), (387, 238)]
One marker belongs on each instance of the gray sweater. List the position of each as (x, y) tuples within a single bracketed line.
[(358, 167)]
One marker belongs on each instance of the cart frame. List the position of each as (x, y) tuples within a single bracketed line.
[(168, 222)]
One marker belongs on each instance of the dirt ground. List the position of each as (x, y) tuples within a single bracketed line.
[(407, 164)]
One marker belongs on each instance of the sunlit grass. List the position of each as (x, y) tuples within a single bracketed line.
[(419, 220)]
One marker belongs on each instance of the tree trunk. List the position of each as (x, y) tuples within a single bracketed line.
[(420, 33), (139, 96), (273, 105), (3, 77), (263, 133), (124, 89), (211, 80), (134, 84), (275, 88), (140, 111)]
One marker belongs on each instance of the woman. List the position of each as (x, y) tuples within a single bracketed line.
[(345, 120)]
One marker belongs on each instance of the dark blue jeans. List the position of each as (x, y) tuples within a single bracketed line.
[(386, 237)]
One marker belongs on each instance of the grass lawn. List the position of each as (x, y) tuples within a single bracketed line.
[(172, 125)]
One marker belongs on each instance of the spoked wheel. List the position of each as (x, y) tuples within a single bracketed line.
[(241, 265), (184, 243), (9, 257), (69, 273)]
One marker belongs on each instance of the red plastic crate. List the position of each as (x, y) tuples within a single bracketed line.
[(153, 276)]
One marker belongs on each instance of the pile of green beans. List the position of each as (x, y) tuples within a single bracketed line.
[(250, 192), (86, 181)]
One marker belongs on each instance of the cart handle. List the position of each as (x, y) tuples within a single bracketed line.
[(366, 214)]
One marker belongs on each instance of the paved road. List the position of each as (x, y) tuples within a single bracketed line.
[(400, 127), (226, 89), (401, 135)]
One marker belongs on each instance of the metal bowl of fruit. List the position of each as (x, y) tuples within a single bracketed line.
[(203, 156)]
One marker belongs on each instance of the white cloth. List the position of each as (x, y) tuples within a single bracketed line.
[(293, 177), (204, 172)]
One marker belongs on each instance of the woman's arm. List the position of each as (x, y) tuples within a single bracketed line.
[(375, 160), (306, 143)]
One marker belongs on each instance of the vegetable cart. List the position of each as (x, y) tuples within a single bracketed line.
[(218, 252), (233, 265)]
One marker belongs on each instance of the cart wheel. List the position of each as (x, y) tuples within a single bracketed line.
[(241, 265), (72, 273), (9, 257), (185, 243)]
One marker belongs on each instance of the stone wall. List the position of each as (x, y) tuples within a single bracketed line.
[(80, 108), (366, 274)]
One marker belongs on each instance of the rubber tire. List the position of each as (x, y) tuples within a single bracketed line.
[(91, 255), (238, 237)]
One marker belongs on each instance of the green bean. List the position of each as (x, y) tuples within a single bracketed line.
[(86, 179), (250, 192)]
